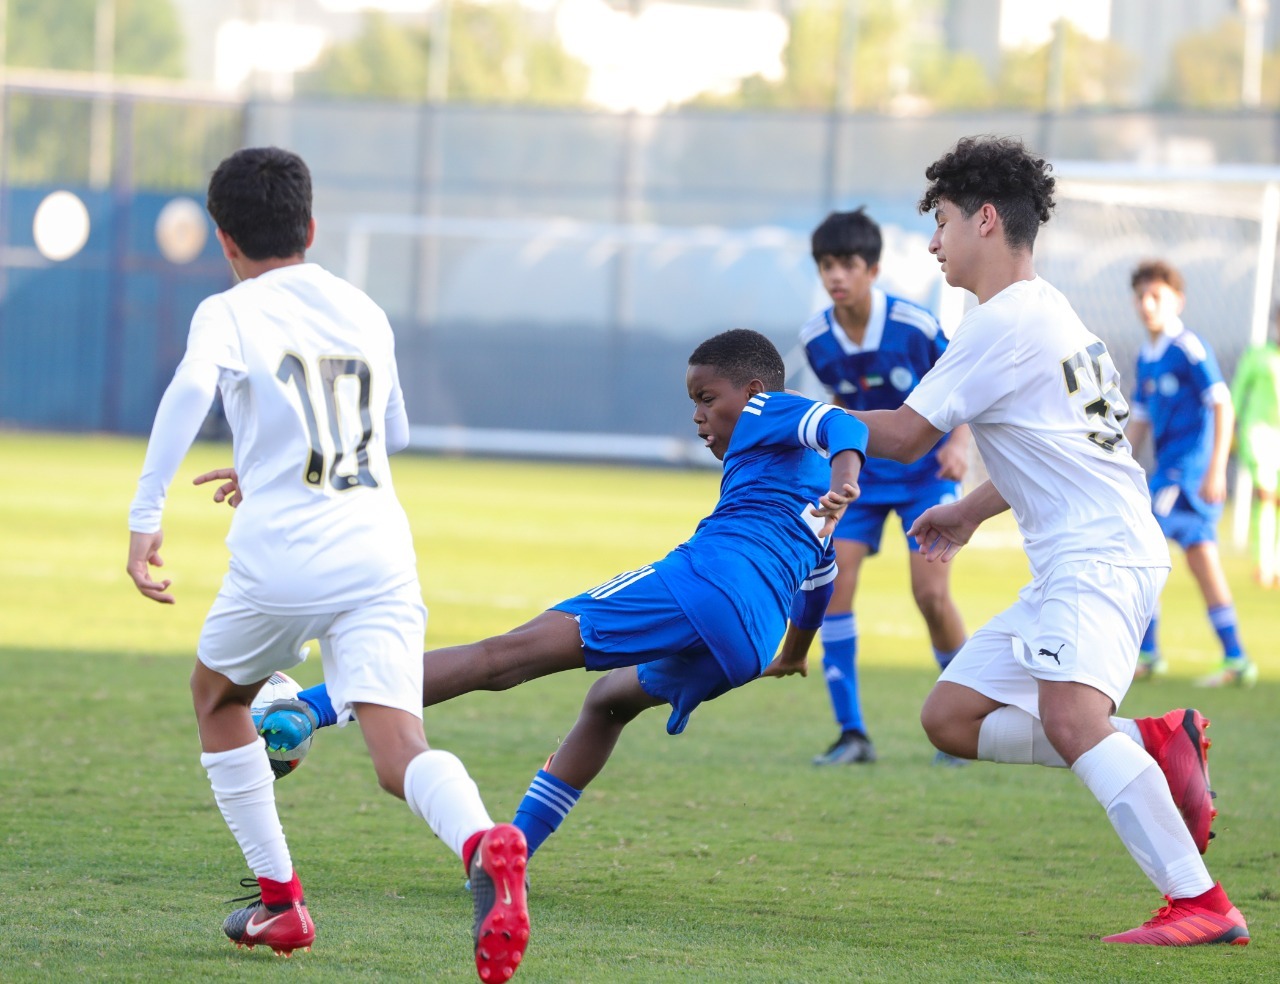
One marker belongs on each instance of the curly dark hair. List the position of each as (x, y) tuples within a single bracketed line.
[(998, 170), (848, 234), (741, 355), (261, 198), (1161, 271)]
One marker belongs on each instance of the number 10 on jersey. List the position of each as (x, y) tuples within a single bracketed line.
[(340, 474)]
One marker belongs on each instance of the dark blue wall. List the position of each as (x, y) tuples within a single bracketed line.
[(90, 343)]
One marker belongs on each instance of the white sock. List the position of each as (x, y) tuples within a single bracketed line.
[(1127, 726), (1133, 791), (244, 789), (1011, 735), (438, 789)]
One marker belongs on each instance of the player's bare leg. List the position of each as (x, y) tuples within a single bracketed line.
[(243, 787), (952, 717), (931, 588), (611, 704), (1206, 567), (437, 788), (549, 643)]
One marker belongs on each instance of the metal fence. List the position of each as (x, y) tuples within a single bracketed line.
[(547, 272)]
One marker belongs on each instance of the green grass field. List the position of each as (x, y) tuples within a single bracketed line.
[(722, 855)]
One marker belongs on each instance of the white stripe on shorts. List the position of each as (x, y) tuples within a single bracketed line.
[(616, 584)]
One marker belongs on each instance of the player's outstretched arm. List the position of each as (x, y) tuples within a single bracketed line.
[(953, 457), (846, 466), (229, 492), (793, 657), (1213, 488), (144, 553), (943, 530)]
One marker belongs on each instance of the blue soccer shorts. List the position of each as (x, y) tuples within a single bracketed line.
[(634, 620), (1184, 518), (864, 522)]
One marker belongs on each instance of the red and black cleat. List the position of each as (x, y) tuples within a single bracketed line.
[(284, 927), (501, 928)]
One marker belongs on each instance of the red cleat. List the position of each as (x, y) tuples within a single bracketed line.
[(1177, 742), (501, 929), (285, 927), (1183, 922)]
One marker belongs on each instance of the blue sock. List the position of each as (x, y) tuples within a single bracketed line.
[(945, 656), (544, 806), (840, 668), (1148, 648), (1223, 618), (317, 698)]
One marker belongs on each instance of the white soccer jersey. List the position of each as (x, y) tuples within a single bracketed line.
[(1046, 408), (306, 366)]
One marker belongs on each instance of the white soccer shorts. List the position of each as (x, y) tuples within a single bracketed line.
[(1082, 622), (371, 654)]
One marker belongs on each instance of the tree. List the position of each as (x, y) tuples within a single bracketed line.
[(497, 53), (1094, 73), (947, 80), (1206, 69), (148, 36), (384, 61), (888, 64)]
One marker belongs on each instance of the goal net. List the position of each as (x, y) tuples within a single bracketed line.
[(1217, 225)]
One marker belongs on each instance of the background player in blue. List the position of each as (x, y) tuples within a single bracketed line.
[(1181, 400), (706, 618), (870, 349)]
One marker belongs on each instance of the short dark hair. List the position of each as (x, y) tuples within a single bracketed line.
[(848, 234), (741, 355), (261, 198), (1161, 272), (998, 170)]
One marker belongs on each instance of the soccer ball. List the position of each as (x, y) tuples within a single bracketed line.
[(284, 754)]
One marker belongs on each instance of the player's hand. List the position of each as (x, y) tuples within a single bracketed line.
[(832, 506), (941, 531), (953, 461), (228, 492), (783, 666), (1213, 489), (144, 553)]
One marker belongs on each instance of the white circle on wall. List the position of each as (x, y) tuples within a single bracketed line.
[(60, 226), (181, 230)]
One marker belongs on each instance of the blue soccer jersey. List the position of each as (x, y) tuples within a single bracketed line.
[(901, 344), (1177, 385), (746, 561)]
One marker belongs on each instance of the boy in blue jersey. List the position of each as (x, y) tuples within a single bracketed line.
[(1181, 400), (870, 349), (678, 631)]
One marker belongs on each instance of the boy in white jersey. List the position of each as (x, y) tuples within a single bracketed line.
[(1040, 682), (320, 549)]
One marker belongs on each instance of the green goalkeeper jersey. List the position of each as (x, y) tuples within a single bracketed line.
[(1255, 390)]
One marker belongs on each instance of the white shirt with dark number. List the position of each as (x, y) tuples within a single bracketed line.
[(1046, 407), (306, 366)]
